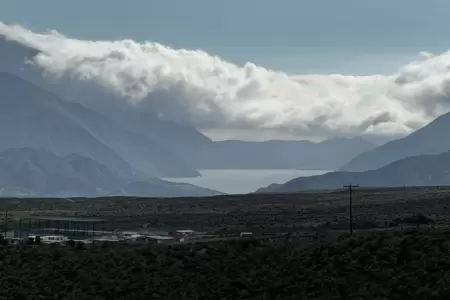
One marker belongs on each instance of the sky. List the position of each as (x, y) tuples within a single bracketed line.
[(294, 37)]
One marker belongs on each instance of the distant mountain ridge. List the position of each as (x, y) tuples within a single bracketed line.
[(136, 141), (277, 154), (162, 148), (33, 117), (38, 172), (421, 170), (430, 139)]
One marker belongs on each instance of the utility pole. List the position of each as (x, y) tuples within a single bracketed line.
[(350, 186), (6, 222)]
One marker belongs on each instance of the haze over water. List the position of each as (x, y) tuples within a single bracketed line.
[(243, 181)]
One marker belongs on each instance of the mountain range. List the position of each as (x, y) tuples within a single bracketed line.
[(68, 116), (277, 154), (38, 172), (141, 143), (421, 170), (145, 144), (33, 117), (419, 159), (430, 139)]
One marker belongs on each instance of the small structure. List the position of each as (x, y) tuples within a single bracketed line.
[(245, 234), (128, 233), (16, 241), (156, 239), (70, 226), (83, 241), (49, 239), (185, 232), (106, 239), (131, 236)]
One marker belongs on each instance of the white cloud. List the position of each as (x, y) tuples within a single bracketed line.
[(217, 94)]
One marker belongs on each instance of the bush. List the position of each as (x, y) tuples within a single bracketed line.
[(416, 219), (383, 265), (344, 224), (79, 245)]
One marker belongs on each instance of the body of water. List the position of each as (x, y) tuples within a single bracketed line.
[(243, 181)]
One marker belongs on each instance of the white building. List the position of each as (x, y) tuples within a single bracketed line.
[(50, 239)]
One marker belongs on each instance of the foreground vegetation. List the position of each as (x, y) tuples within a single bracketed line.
[(383, 265), (373, 208)]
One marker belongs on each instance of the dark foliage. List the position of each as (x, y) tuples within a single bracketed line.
[(373, 208), (402, 265), (416, 219)]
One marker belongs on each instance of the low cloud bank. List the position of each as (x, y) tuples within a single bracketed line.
[(218, 94)]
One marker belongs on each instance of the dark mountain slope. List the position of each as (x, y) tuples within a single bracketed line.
[(422, 170), (38, 172), (32, 117), (431, 139), (46, 121), (176, 149), (150, 144), (149, 157)]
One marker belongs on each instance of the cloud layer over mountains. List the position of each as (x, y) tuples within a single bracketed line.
[(218, 94)]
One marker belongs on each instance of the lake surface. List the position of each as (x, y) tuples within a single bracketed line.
[(243, 181)]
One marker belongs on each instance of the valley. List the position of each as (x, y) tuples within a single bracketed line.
[(211, 150), (264, 213), (297, 242), (242, 181)]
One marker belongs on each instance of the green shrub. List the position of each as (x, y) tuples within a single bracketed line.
[(383, 265)]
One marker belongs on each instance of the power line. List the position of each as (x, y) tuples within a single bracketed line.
[(350, 186)]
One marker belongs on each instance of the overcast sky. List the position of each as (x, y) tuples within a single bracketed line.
[(349, 37)]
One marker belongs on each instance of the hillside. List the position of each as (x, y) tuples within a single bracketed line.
[(162, 144), (386, 265), (422, 170), (431, 139), (172, 148), (33, 117), (148, 156), (38, 172)]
